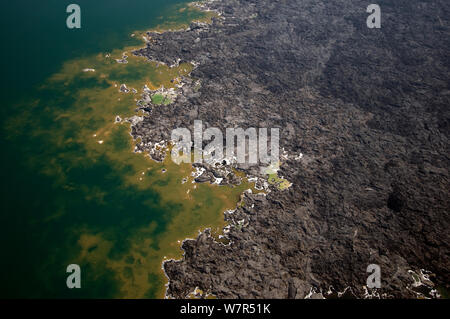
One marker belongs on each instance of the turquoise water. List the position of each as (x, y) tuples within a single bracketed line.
[(36, 40), (67, 198)]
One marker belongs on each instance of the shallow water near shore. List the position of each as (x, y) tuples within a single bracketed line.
[(74, 191)]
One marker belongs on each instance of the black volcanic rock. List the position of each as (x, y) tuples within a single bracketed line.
[(369, 111)]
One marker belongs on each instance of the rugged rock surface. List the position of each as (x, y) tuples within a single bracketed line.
[(368, 108)]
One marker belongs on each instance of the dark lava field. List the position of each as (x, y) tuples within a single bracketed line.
[(369, 109)]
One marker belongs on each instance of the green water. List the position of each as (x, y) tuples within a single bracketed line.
[(73, 191)]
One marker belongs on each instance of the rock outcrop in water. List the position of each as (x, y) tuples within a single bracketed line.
[(369, 111)]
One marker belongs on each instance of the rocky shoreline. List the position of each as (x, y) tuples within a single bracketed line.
[(368, 110)]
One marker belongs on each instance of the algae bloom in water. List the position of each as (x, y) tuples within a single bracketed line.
[(116, 213), (160, 99)]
